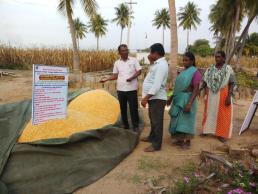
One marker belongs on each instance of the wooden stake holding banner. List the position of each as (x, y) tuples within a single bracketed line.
[(250, 114)]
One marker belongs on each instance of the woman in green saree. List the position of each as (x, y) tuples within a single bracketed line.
[(184, 104)]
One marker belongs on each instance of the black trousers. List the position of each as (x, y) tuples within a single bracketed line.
[(132, 99), (156, 114)]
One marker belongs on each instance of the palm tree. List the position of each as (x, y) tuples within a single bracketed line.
[(173, 42), (189, 17), (226, 17), (80, 30), (162, 19), (217, 26), (122, 18), (98, 26), (251, 11), (65, 7)]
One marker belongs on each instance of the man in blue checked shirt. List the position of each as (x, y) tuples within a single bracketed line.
[(154, 94)]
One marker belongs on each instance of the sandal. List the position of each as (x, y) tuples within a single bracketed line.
[(150, 149), (222, 139), (178, 142), (186, 144)]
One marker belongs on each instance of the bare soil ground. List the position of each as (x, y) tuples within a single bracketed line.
[(163, 167)]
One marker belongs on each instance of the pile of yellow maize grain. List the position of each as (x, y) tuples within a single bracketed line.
[(90, 110)]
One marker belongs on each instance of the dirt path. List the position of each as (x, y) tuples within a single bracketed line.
[(162, 167), (16, 88)]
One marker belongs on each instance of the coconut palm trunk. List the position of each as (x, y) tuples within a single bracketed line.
[(163, 35), (97, 43), (76, 59), (162, 20), (240, 42), (218, 43), (229, 43), (187, 48), (233, 33), (121, 35), (173, 42), (240, 52), (78, 44), (226, 41)]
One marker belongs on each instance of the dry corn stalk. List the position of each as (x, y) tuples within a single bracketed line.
[(23, 58)]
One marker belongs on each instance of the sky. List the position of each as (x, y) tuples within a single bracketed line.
[(37, 23)]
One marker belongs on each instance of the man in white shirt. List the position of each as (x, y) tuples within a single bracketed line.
[(125, 71), (154, 94)]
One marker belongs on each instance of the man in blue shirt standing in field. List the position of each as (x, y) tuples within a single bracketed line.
[(154, 94)]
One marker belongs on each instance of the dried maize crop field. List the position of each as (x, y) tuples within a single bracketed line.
[(91, 61), (22, 58)]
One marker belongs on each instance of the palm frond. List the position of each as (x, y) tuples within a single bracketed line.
[(188, 16), (162, 18), (123, 15), (65, 6), (90, 7), (80, 29), (98, 25)]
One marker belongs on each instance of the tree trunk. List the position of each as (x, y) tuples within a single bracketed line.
[(231, 45), (226, 41), (187, 44), (76, 59), (78, 44), (173, 43), (218, 43), (233, 32), (240, 52), (246, 29), (97, 43), (163, 36), (121, 35), (128, 34), (229, 40), (129, 25)]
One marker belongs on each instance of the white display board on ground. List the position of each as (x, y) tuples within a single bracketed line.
[(49, 93), (250, 114)]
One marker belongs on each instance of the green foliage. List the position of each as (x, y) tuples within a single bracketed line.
[(80, 29), (245, 79), (98, 25), (189, 16), (204, 50), (185, 187), (201, 47), (223, 14), (162, 18), (188, 183), (238, 178), (251, 46), (200, 42), (243, 178), (136, 179), (253, 38), (147, 164), (123, 15)]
